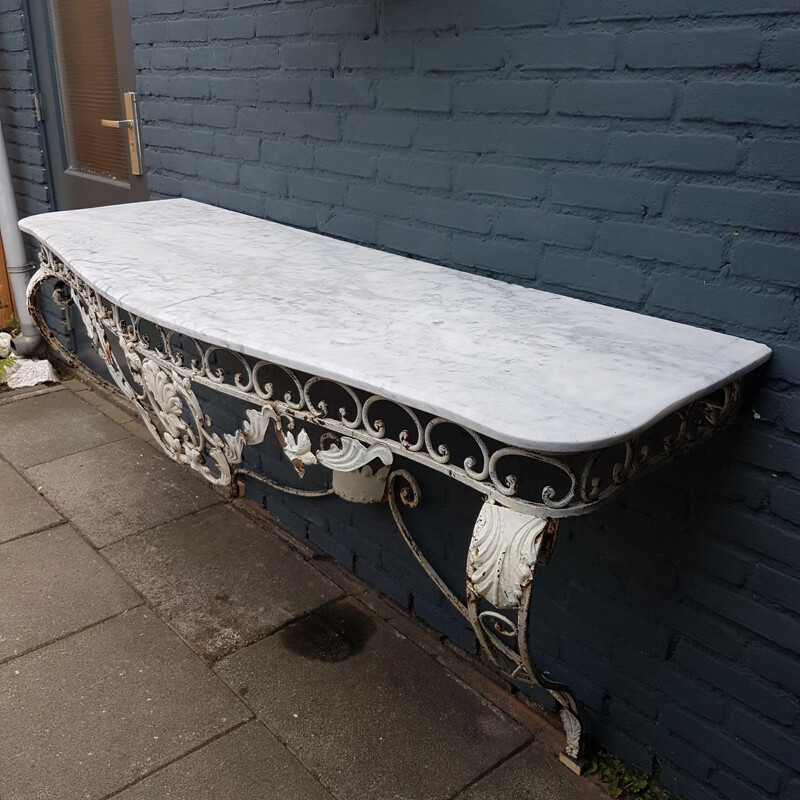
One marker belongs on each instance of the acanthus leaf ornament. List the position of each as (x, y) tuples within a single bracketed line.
[(573, 730), (298, 451), (167, 404), (351, 455), (253, 431), (502, 554)]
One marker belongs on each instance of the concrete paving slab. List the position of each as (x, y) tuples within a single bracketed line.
[(138, 429), (75, 385), (12, 395), (246, 764), (121, 488), (95, 398), (115, 413), (49, 426), (51, 584), (22, 509), (533, 774), (220, 580), (366, 710), (92, 713)]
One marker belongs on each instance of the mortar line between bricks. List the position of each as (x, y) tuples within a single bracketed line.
[(62, 637), (117, 792), (724, 129)]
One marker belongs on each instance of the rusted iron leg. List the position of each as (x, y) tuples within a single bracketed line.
[(506, 545), (505, 548)]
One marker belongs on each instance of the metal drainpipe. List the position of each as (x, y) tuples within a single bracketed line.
[(19, 268)]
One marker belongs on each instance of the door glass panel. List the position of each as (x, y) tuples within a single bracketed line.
[(86, 67)]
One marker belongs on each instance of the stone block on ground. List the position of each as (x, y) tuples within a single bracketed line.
[(533, 774), (22, 509), (89, 715), (121, 488), (51, 584), (48, 426), (366, 710), (220, 580), (246, 764)]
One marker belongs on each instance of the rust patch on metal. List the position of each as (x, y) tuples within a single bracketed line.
[(549, 536)]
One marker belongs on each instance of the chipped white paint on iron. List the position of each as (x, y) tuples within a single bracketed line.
[(253, 431), (572, 728), (299, 450), (529, 368), (502, 554), (361, 485)]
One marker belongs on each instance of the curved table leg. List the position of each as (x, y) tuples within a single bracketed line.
[(505, 547)]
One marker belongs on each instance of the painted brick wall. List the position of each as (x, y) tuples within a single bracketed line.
[(640, 154), (23, 140)]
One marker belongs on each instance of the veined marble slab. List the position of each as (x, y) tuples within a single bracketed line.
[(527, 367)]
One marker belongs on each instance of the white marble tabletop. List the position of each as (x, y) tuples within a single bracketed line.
[(530, 368)]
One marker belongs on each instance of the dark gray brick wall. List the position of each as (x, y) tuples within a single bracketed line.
[(641, 154), (20, 128)]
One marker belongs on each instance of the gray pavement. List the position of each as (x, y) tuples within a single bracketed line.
[(159, 642)]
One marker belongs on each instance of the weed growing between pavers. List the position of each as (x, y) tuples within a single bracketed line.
[(625, 782)]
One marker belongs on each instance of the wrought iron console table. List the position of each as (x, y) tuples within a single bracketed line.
[(544, 405)]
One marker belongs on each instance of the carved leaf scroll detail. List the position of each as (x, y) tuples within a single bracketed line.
[(573, 729), (352, 455), (253, 431), (503, 551)]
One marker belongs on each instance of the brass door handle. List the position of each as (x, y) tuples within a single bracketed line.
[(116, 123), (131, 125)]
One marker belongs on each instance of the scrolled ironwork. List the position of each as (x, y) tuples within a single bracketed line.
[(441, 452), (586, 480)]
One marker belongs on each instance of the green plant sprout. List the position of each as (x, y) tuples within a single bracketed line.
[(12, 323), (623, 781), (5, 364)]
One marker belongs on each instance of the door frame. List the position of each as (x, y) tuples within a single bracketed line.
[(48, 101), (7, 308)]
